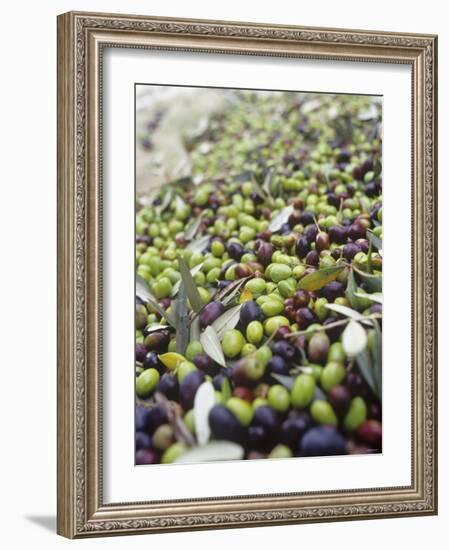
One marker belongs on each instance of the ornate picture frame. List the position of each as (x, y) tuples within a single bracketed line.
[(81, 40)]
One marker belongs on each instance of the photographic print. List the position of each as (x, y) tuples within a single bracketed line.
[(258, 313)]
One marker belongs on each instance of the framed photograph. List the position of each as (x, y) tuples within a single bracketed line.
[(247, 314)]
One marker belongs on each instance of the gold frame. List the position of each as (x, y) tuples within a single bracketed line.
[(81, 37)]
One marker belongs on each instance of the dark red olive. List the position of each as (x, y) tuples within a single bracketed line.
[(301, 298), (141, 351), (370, 433), (312, 258), (264, 252), (282, 332), (339, 397), (322, 241), (356, 231)]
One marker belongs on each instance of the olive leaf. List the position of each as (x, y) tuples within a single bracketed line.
[(194, 271), (229, 319), (377, 358), (228, 293), (195, 329), (363, 360), (369, 259), (374, 240), (156, 328), (212, 451), (193, 227), (354, 339), (351, 289), (344, 310), (282, 217), (268, 181), (166, 200), (190, 286), (375, 297), (286, 381), (320, 278), (202, 405), (182, 321), (198, 245), (211, 345), (372, 282), (144, 293)]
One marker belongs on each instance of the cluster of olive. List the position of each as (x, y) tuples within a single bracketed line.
[(287, 387)]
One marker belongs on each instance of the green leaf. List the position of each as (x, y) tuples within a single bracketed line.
[(228, 293), (351, 289), (194, 271), (377, 358), (374, 240), (143, 292), (320, 278), (182, 321), (211, 345), (364, 363), (372, 282), (166, 200), (195, 330), (267, 182), (369, 260), (190, 286)]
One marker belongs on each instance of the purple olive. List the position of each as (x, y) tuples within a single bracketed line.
[(293, 429), (307, 218), (249, 312), (146, 456), (350, 250), (310, 233), (205, 364), (278, 365), (189, 387), (312, 258), (168, 385), (141, 352), (156, 417), (210, 313), (302, 247), (235, 250), (332, 290), (284, 349), (338, 234), (224, 425), (143, 441), (322, 441)]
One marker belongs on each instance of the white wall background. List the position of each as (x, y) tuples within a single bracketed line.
[(28, 274)]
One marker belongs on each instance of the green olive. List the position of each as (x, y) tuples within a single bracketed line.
[(232, 343), (303, 390), (173, 452), (254, 332), (241, 409), (278, 398), (333, 373), (322, 412), (356, 414), (146, 382)]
